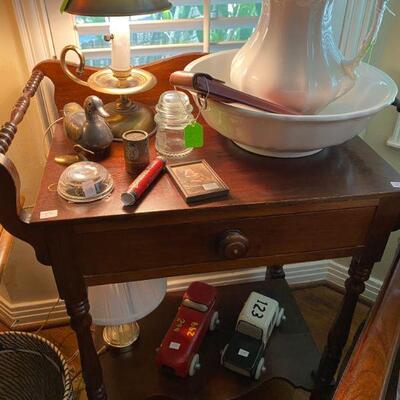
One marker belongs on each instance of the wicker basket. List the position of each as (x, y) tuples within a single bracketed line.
[(32, 368)]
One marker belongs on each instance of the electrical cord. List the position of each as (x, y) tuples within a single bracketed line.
[(46, 132), (80, 386), (101, 351), (48, 316), (73, 357), (65, 339), (13, 324)]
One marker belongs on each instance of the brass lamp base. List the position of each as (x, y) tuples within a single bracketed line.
[(126, 115), (121, 336), (121, 82)]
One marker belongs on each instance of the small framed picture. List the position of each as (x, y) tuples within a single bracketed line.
[(197, 181)]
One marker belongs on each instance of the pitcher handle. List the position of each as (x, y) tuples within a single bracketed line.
[(351, 64), (81, 65), (396, 103)]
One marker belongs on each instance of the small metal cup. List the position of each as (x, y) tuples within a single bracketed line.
[(136, 151)]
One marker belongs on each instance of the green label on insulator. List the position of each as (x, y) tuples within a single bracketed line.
[(194, 136)]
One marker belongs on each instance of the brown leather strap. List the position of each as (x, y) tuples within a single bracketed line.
[(215, 89)]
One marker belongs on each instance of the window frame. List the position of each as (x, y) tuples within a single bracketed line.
[(206, 24)]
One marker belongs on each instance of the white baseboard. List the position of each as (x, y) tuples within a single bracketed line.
[(295, 274), (336, 274), (30, 315), (310, 272)]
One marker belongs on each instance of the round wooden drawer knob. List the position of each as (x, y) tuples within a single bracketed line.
[(234, 244)]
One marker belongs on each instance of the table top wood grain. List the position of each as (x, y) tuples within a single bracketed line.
[(346, 172)]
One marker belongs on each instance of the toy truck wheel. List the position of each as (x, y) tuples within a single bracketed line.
[(214, 321), (260, 369), (194, 365), (281, 317)]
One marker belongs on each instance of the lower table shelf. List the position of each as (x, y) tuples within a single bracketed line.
[(291, 353)]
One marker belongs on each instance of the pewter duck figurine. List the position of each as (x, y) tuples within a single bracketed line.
[(87, 127)]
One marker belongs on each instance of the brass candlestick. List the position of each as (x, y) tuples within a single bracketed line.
[(124, 113)]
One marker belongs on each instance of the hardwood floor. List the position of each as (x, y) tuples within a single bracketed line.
[(318, 305)]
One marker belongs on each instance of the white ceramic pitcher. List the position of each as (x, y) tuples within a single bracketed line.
[(292, 58)]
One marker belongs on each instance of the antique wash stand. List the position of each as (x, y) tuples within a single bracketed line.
[(337, 203)]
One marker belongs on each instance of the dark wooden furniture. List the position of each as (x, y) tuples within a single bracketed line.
[(6, 244), (6, 241), (370, 368), (337, 203), (213, 382)]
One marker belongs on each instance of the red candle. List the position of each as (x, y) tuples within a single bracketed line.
[(143, 181)]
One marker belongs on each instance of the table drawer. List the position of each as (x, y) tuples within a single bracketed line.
[(204, 242)]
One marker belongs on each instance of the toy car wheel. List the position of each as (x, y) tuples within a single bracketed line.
[(281, 316), (223, 354), (194, 365), (260, 369), (214, 321)]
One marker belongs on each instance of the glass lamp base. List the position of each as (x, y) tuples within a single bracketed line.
[(121, 335)]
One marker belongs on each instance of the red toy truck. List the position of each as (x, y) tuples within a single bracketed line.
[(196, 315)]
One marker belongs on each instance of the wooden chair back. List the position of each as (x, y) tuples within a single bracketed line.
[(370, 367), (66, 91)]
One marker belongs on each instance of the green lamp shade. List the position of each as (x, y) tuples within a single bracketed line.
[(114, 8)]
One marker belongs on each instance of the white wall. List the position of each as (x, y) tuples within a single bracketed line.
[(24, 278), (386, 55)]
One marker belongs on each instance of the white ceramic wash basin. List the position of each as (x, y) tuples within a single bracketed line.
[(281, 135)]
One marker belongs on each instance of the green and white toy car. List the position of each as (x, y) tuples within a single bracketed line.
[(244, 354)]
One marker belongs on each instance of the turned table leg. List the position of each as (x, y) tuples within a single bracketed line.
[(275, 272), (359, 273), (81, 321), (72, 289)]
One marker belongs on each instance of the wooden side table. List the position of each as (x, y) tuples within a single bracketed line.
[(337, 203)]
